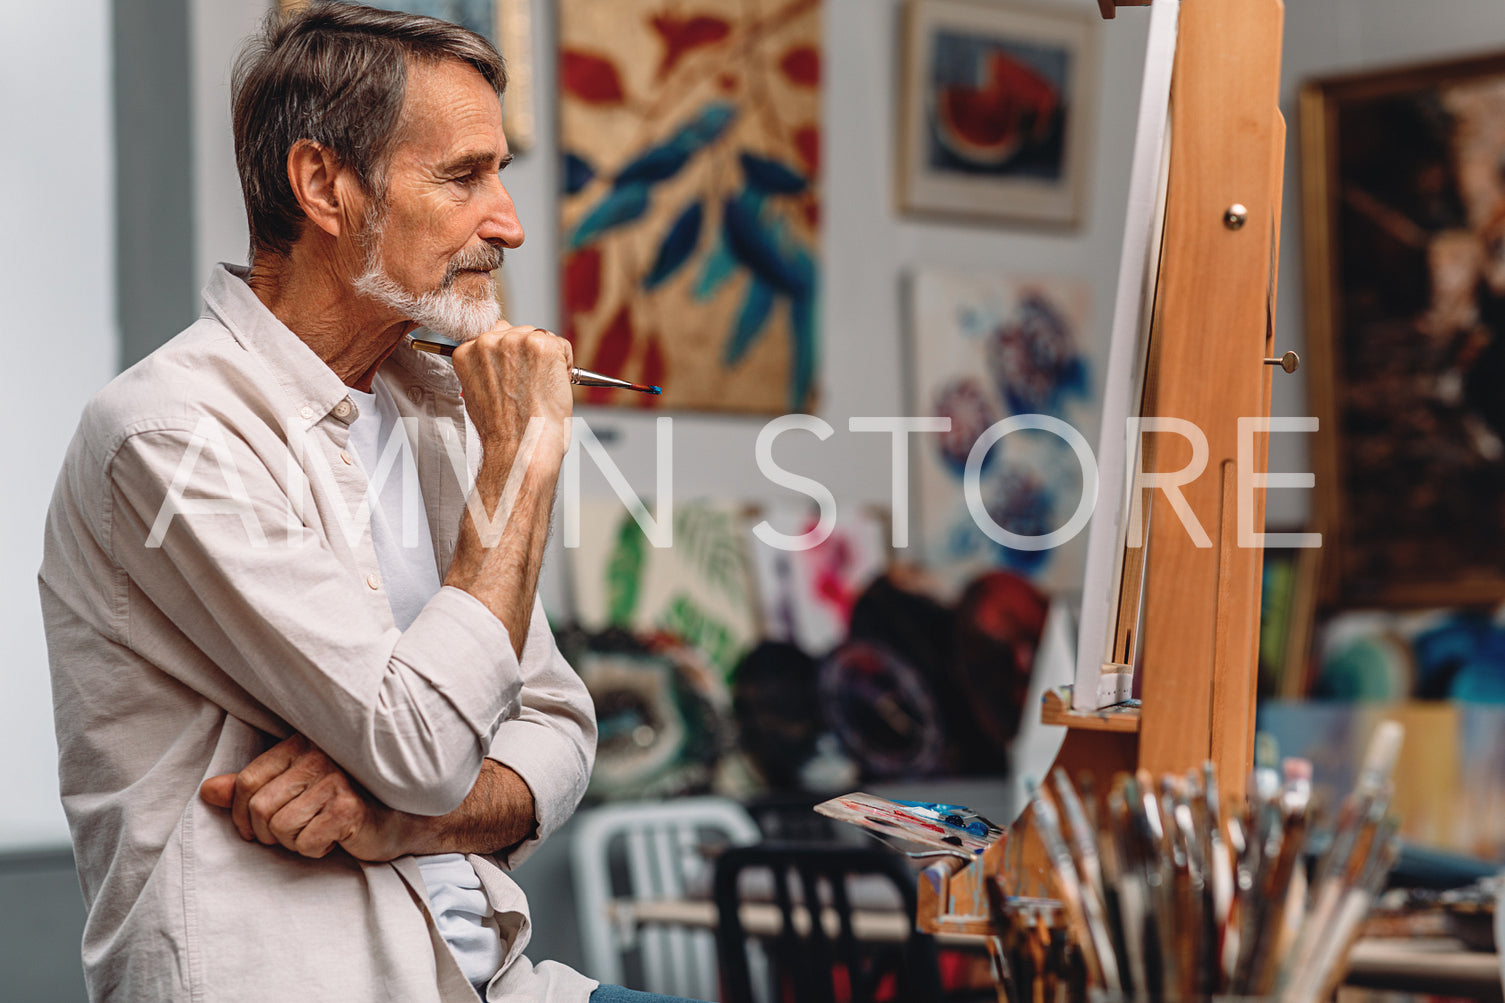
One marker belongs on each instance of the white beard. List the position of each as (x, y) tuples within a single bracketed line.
[(446, 311)]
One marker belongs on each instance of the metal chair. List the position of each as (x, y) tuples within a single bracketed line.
[(807, 962), (651, 850)]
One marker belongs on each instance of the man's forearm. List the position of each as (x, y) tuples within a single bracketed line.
[(503, 574), (496, 815), (296, 796)]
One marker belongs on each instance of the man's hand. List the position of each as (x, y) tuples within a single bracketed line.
[(511, 376), (295, 796)]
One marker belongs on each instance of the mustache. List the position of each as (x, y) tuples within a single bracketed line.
[(485, 257)]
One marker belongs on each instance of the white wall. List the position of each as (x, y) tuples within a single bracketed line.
[(215, 31), (57, 281)]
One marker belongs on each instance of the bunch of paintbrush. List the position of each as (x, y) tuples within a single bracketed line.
[(1034, 960), (1168, 896)]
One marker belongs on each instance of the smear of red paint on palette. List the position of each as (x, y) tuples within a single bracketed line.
[(593, 79), (681, 35), (802, 66), (611, 353)]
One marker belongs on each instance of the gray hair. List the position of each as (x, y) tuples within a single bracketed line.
[(334, 73)]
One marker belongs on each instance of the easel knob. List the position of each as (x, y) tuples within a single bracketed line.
[(1288, 362)]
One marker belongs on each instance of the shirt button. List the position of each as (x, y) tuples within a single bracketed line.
[(306, 412), (345, 455), (415, 394), (373, 580), (343, 408)]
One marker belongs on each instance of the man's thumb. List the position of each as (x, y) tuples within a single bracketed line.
[(219, 791)]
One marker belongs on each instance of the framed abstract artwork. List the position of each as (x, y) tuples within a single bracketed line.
[(690, 218), (997, 108), (1404, 215), (508, 23), (986, 349)]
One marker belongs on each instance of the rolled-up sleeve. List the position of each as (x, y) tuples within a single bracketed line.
[(551, 743), (273, 620)]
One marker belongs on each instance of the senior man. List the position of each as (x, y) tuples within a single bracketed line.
[(309, 711)]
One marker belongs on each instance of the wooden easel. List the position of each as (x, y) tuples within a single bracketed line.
[(1212, 334)]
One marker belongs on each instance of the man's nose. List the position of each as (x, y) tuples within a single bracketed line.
[(501, 223)]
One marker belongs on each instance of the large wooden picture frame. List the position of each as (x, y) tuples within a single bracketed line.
[(1404, 212)]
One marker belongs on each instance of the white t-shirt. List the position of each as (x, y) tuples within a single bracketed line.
[(405, 553)]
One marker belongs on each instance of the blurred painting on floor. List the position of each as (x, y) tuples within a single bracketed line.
[(698, 591), (997, 110), (690, 220), (806, 594), (1449, 780), (986, 348), (1406, 312)]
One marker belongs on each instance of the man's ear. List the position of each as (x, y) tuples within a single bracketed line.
[(321, 185)]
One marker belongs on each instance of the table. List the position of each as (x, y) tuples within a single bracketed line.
[(1434, 965)]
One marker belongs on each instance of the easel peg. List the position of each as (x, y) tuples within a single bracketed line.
[(1288, 362)]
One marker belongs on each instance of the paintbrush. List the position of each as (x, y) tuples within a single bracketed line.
[(1089, 869), (1331, 960), (1073, 896), (1360, 816), (579, 377)]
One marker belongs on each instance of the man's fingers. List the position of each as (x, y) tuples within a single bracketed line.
[(340, 813), (271, 799), (260, 771), (219, 791)]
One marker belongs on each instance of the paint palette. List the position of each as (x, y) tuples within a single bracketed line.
[(934, 825)]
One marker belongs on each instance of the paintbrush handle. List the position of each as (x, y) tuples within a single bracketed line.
[(579, 377)]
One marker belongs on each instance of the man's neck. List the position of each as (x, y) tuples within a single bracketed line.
[(312, 293)]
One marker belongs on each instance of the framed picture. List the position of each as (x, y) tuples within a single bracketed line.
[(508, 23), (997, 109), (1404, 211), (986, 348), (690, 141)]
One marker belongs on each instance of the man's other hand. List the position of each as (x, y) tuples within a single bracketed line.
[(295, 796)]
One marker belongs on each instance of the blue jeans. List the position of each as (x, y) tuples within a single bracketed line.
[(616, 994)]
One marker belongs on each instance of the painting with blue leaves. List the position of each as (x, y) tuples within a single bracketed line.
[(986, 348), (689, 223)]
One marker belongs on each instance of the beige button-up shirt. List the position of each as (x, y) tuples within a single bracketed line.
[(209, 587)]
